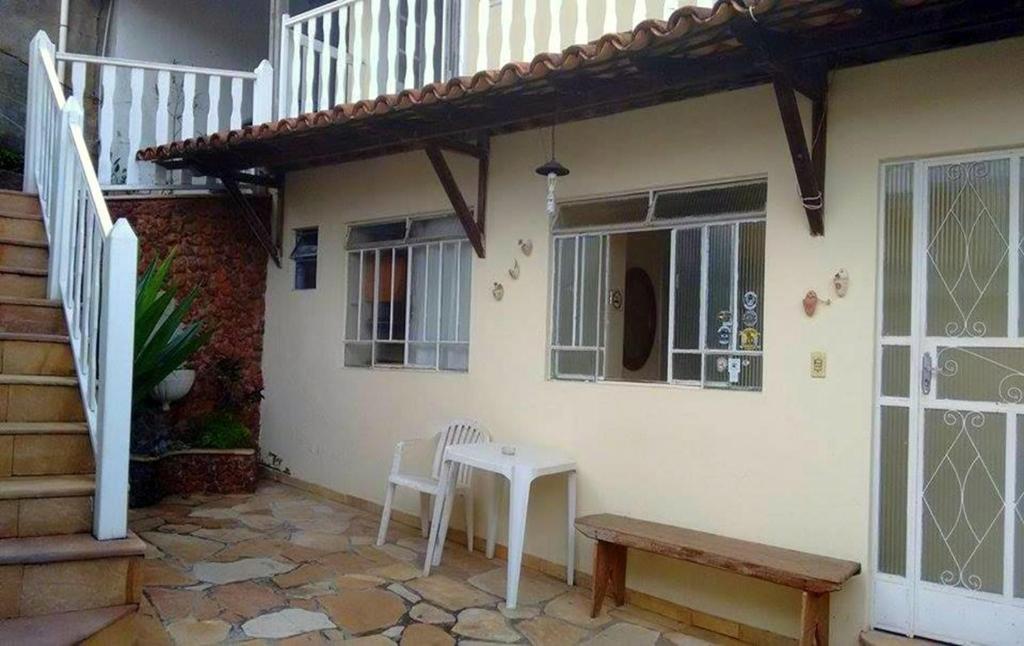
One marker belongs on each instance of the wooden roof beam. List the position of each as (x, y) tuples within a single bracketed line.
[(460, 147), (766, 48)]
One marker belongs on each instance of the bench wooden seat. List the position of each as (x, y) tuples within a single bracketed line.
[(815, 576)]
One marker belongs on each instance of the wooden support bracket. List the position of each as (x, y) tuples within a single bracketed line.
[(259, 230), (808, 161), (789, 78), (474, 226)]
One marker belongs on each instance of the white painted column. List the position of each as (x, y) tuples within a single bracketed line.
[(555, 35), (213, 115), (263, 93), (483, 32), (108, 87), (390, 64), (341, 62), (134, 127), (506, 32), (373, 60), (117, 339), (324, 99), (283, 83)]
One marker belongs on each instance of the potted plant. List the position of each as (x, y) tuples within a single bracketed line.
[(220, 456), (163, 343)]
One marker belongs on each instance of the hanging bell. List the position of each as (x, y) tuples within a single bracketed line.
[(552, 170)]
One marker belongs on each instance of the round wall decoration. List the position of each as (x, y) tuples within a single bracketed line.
[(641, 319)]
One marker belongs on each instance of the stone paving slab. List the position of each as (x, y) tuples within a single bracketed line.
[(284, 567)]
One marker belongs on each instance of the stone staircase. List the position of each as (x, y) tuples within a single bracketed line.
[(58, 585)]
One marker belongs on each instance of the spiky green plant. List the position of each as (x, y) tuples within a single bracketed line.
[(162, 341)]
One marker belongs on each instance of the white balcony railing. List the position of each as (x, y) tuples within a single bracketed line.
[(350, 50), (92, 271), (518, 30), (135, 104)]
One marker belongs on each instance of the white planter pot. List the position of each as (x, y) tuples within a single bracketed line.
[(175, 386)]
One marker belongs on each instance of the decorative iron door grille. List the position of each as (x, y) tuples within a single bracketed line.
[(949, 486)]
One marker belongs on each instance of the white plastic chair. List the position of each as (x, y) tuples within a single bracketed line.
[(458, 431)]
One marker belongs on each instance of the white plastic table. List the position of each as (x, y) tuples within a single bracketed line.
[(521, 469)]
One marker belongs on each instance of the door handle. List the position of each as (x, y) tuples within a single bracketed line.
[(927, 372)]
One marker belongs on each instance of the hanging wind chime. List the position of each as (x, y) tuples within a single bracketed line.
[(552, 170)]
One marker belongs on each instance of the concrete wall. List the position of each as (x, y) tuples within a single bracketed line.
[(228, 34), (19, 21), (789, 466)]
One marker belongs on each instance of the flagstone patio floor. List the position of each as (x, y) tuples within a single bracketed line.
[(284, 566)]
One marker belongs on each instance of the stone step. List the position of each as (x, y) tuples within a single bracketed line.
[(43, 428), (31, 517), (45, 454), (31, 315), (18, 252), (38, 355), (19, 202), (23, 282), (32, 398), (36, 487), (33, 506), (23, 226), (57, 574), (64, 629)]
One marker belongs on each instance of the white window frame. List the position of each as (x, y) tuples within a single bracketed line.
[(430, 246), (673, 226)]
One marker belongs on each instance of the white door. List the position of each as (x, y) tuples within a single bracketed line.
[(949, 461)]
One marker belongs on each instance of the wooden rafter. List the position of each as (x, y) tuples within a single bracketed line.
[(472, 223)]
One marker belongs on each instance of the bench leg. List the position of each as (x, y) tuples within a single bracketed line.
[(814, 620), (609, 570)]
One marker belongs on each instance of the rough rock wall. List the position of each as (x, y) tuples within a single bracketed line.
[(217, 253)]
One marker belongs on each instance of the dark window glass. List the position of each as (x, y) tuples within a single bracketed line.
[(304, 255), (714, 200), (602, 213), (372, 234)]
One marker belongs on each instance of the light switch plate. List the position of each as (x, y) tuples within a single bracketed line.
[(818, 365)]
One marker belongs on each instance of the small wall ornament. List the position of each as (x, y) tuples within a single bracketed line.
[(526, 246), (615, 299), (498, 291), (811, 302), (513, 271), (841, 283)]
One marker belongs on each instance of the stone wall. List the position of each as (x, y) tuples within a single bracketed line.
[(217, 253)]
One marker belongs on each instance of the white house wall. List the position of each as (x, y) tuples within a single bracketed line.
[(789, 466)]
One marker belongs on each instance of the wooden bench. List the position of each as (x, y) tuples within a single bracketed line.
[(816, 576)]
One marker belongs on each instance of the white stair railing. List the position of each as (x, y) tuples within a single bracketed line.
[(92, 271), (140, 104)]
